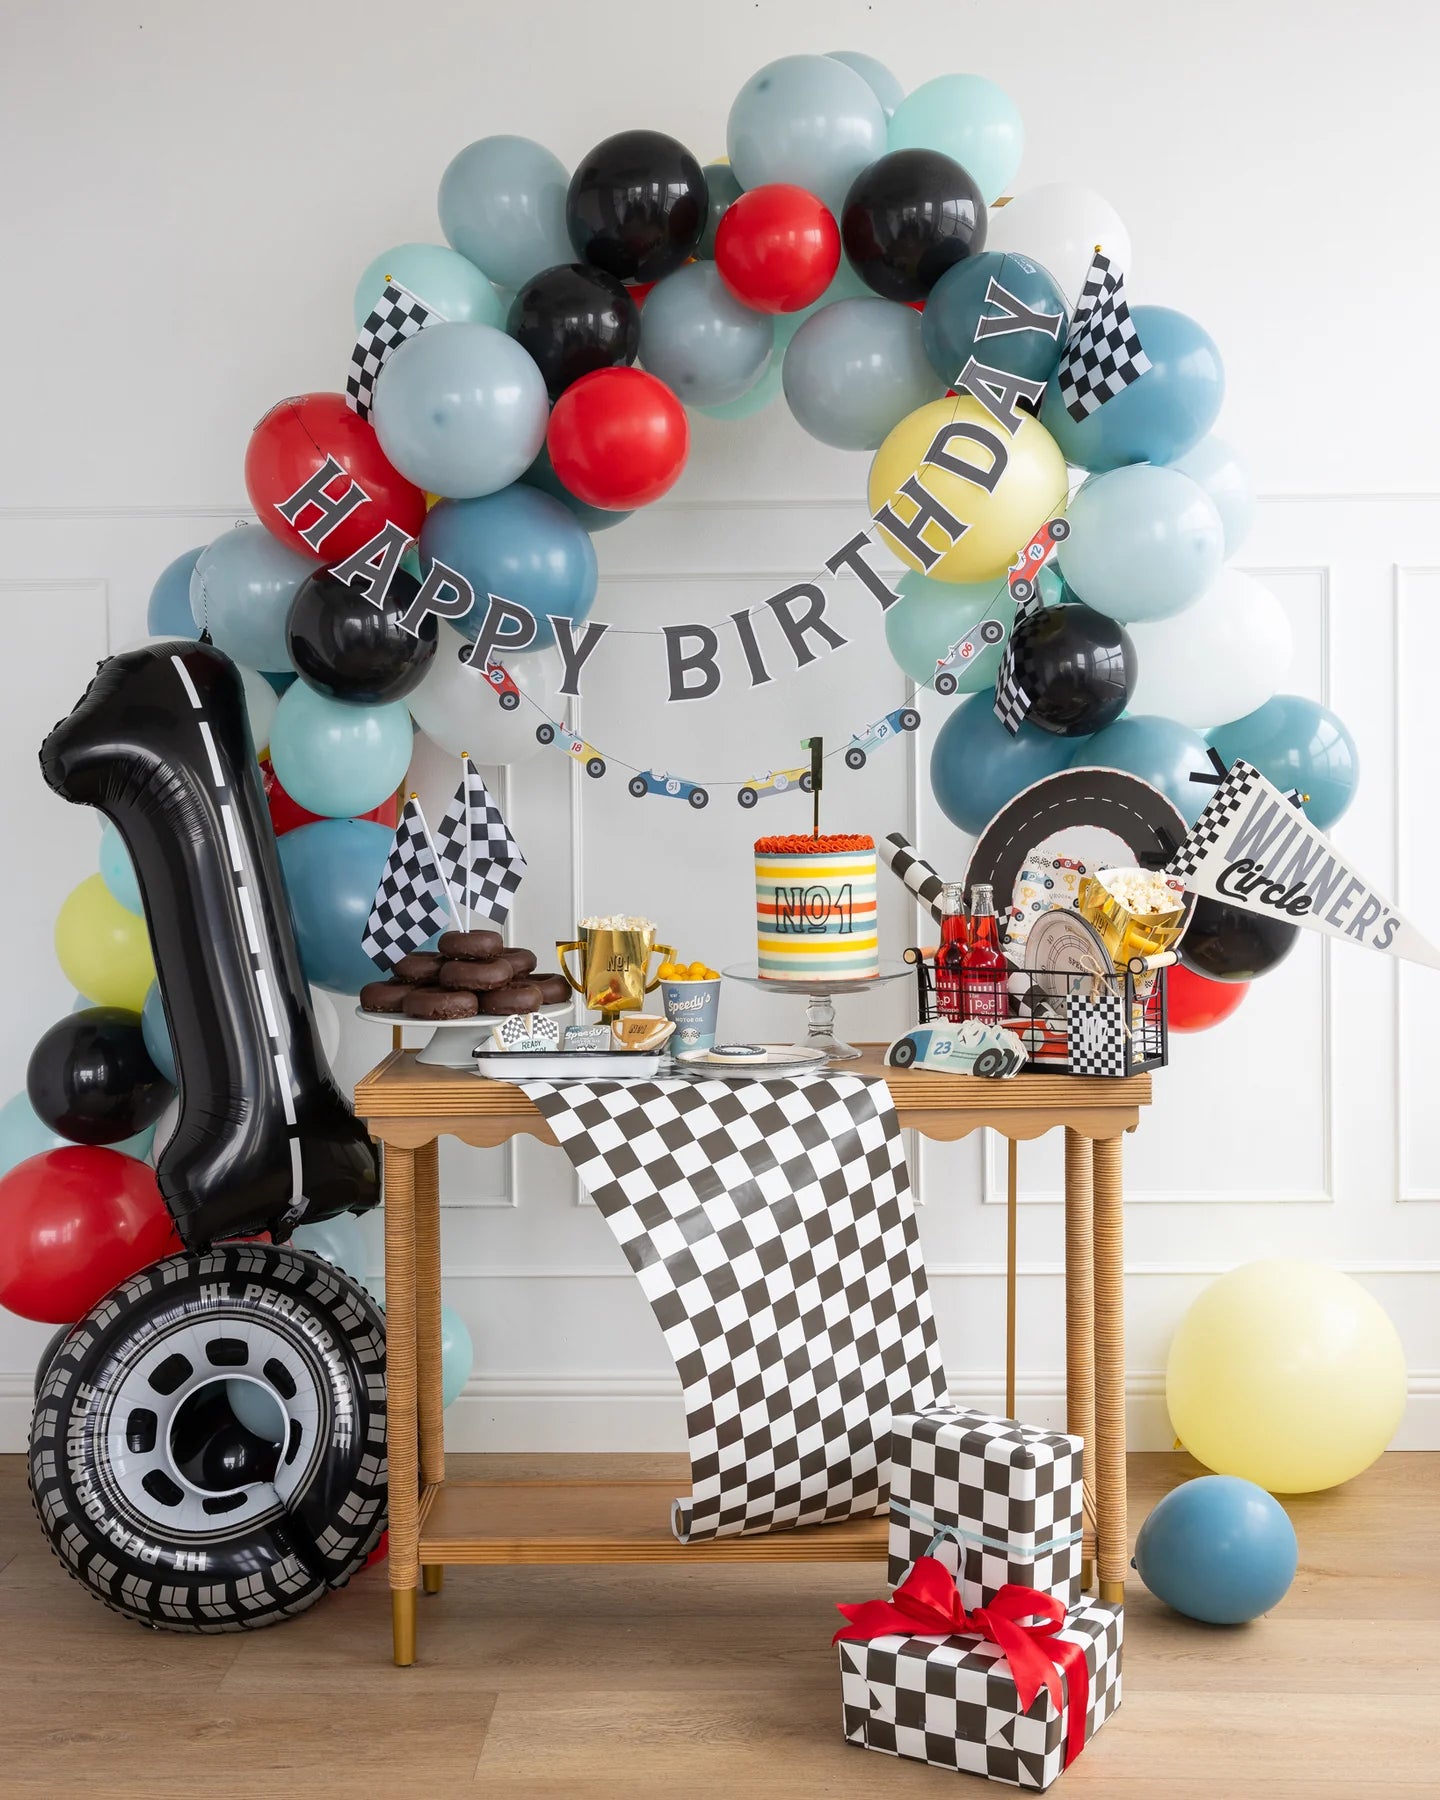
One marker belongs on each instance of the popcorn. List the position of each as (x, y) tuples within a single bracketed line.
[(1142, 892), (617, 922)]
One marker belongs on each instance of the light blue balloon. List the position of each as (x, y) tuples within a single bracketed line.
[(335, 758), (1297, 743), (930, 616), (331, 870), (1162, 414), (968, 118), (723, 189), (242, 589), (457, 1355), (1217, 1549), (339, 1241), (117, 871), (1226, 479), (23, 1134), (1158, 751), (521, 545), (698, 339), (882, 84), (447, 282), (855, 370), (1144, 543), (765, 391), (976, 766), (156, 1031), (168, 614), (138, 1146), (257, 1408), (846, 285), (502, 205), (809, 120), (461, 410), (541, 474), (959, 304)]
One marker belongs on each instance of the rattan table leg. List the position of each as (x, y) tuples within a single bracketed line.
[(427, 1332), (400, 1378), (1109, 1370), (1080, 1323)]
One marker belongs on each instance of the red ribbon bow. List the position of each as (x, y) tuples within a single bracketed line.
[(928, 1604)]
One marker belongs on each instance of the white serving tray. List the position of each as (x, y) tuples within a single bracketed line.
[(453, 1041), (568, 1065)]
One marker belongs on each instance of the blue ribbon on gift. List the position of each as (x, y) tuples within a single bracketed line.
[(962, 1536)]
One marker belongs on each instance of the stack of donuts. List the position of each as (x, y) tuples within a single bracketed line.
[(470, 974)]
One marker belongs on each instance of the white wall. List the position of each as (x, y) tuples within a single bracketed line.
[(192, 192)]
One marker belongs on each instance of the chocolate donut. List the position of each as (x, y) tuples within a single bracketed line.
[(440, 1003), (420, 967), (384, 996), (518, 997), (523, 961), (477, 977), (554, 989), (471, 946)]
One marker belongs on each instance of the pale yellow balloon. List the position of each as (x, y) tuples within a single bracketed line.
[(103, 949), (1288, 1374), (1032, 487)]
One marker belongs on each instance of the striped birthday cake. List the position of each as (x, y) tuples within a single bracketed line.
[(815, 908)]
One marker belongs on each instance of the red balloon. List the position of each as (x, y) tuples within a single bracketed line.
[(618, 438), (292, 442), (286, 815), (777, 248), (74, 1223), (1196, 1004)]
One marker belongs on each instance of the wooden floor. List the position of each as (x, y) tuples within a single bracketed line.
[(708, 1684)]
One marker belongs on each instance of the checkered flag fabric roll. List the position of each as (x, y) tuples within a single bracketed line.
[(409, 904), (901, 858), (479, 857), (1219, 811), (1012, 698), (771, 1228), (398, 315), (1103, 353)]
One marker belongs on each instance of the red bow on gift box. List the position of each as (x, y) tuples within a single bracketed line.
[(928, 1604)]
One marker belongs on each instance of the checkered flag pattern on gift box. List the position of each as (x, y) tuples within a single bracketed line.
[(1103, 353), (398, 314), (1097, 1034), (1218, 814), (478, 854), (771, 1228), (1012, 698), (410, 903)]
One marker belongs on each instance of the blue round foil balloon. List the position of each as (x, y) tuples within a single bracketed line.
[(241, 592), (1162, 414), (446, 281), (964, 317), (519, 544), (117, 871), (168, 614), (541, 474), (976, 766), (1158, 751), (335, 758), (502, 205), (457, 1355), (698, 339), (1297, 743), (1217, 1549), (331, 870), (156, 1032), (855, 370)]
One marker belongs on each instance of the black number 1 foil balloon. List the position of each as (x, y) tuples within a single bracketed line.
[(265, 1140)]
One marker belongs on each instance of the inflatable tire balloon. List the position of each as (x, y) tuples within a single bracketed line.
[(161, 745), (160, 1535)]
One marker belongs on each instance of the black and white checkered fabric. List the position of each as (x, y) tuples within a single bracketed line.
[(952, 1701), (1103, 353), (771, 1227), (1012, 697), (1097, 1034), (478, 854), (1009, 1497), (1218, 815), (901, 858), (409, 905), (398, 315)]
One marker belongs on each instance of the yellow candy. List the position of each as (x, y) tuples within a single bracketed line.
[(698, 971), (669, 971)]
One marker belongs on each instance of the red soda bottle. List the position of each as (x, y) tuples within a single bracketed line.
[(949, 958), (984, 973)]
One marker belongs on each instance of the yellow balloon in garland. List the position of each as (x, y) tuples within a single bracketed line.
[(1000, 486), (104, 949)]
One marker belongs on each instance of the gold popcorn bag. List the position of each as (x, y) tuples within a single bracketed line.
[(615, 958), (1134, 913)]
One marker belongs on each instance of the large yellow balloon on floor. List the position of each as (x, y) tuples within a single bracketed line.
[(103, 949), (1003, 510), (1288, 1374)]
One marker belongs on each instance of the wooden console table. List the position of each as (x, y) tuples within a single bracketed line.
[(409, 1106)]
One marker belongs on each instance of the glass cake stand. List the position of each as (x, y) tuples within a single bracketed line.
[(819, 995)]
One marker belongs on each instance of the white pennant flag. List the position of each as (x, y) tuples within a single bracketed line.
[(1253, 849)]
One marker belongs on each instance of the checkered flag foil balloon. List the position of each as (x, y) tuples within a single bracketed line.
[(1012, 698), (478, 855), (398, 314), (1103, 353), (410, 904)]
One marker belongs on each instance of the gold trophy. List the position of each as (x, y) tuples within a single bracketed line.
[(615, 958)]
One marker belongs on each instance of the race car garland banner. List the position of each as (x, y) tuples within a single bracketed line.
[(771, 1227)]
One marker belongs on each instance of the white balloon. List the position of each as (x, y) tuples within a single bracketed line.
[(327, 1022), (1217, 660), (1225, 478), (457, 708), (1059, 226), (260, 703)]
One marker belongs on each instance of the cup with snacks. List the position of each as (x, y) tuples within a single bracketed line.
[(690, 995), (1134, 912)]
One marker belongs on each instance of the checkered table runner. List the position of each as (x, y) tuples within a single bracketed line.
[(771, 1227)]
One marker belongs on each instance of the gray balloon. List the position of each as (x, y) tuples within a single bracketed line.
[(854, 370), (885, 86), (808, 120), (700, 341), (723, 188), (502, 204)]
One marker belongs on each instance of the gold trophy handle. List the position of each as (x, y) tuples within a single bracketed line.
[(562, 951), (666, 953)]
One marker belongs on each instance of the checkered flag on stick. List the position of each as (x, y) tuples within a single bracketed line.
[(478, 855), (398, 314), (1103, 353), (411, 902), (1012, 698)]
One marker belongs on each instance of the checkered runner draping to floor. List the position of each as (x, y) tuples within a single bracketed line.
[(771, 1228)]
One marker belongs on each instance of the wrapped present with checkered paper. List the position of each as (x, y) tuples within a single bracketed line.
[(993, 1500)]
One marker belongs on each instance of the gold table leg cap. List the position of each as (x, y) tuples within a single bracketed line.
[(432, 1577), (402, 1625), (1113, 1593), (1087, 1574)]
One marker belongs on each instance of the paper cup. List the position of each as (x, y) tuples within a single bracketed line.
[(694, 1009)]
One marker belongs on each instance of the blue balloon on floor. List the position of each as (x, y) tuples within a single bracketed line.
[(1217, 1549), (457, 1355), (339, 1241), (1158, 751), (1297, 743), (156, 1033), (331, 870), (520, 544), (976, 766), (117, 871), (168, 614)]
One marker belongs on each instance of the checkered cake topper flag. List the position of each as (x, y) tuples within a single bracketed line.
[(1103, 353), (410, 903), (478, 856), (398, 314), (1012, 697)]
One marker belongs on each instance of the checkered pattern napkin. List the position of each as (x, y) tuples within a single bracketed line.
[(771, 1227), (1097, 1035)]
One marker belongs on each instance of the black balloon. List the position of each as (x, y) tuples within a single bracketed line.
[(48, 1354), (637, 206), (347, 648), (1077, 666), (91, 1078), (161, 745), (908, 218), (573, 320), (1226, 943), (213, 1450)]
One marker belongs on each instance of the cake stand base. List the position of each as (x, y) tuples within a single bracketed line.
[(820, 1006), (820, 1031)]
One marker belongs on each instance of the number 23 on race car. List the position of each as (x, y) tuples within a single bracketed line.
[(968, 1049)]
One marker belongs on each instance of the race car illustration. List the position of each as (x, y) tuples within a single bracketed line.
[(506, 691), (778, 781), (963, 650), (1031, 559), (968, 1049), (670, 785), (587, 754), (904, 718)]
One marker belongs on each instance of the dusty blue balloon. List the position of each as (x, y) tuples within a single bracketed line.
[(337, 759), (257, 1409), (457, 1356), (723, 188), (755, 399), (156, 1032), (1297, 743), (460, 410), (976, 766), (931, 616), (968, 118), (521, 545), (331, 870), (1158, 751), (698, 339), (1162, 414), (339, 1241), (808, 120), (1226, 480), (446, 281), (117, 871), (241, 592), (541, 474), (1144, 543), (1217, 1549), (23, 1134), (959, 305), (846, 285), (502, 205), (168, 614), (855, 370), (882, 84)]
